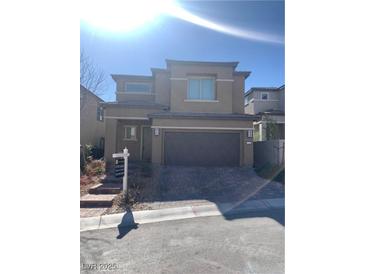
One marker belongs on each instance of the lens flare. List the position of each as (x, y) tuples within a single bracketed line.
[(127, 15), (122, 15), (230, 30)]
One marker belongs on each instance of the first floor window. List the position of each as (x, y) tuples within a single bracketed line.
[(130, 132), (201, 89)]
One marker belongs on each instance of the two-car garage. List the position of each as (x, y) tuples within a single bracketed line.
[(202, 148)]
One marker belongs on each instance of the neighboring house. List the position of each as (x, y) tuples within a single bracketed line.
[(92, 125), (269, 104), (191, 113)]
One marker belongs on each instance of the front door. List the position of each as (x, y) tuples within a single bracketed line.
[(146, 144)]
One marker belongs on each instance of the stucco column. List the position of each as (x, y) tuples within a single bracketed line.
[(247, 150), (157, 147), (110, 141)]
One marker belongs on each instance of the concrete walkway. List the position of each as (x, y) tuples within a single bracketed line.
[(130, 218)]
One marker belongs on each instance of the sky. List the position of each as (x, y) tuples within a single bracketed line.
[(169, 37)]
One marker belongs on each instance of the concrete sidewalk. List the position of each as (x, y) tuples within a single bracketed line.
[(186, 212)]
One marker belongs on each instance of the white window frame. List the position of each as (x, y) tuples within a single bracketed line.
[(201, 100), (100, 113), (262, 93), (133, 138), (136, 92), (250, 133)]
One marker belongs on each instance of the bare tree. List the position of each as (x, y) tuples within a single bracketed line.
[(91, 77)]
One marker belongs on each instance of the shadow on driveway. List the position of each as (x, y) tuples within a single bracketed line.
[(175, 186)]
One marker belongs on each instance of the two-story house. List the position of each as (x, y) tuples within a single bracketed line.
[(92, 126), (269, 104), (191, 114)]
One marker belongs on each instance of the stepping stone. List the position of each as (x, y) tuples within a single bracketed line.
[(99, 200)]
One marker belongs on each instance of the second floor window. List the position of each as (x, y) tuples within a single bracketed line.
[(138, 87), (264, 96), (201, 89)]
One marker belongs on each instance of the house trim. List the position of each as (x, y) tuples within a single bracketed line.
[(135, 93), (224, 80), (218, 80), (201, 101), (126, 118), (202, 128)]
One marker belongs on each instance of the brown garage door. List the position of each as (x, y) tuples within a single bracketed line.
[(202, 149)]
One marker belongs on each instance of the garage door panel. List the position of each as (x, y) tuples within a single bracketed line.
[(202, 149)]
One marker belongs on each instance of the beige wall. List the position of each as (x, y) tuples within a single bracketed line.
[(118, 111), (121, 96), (91, 130), (237, 96), (162, 87), (110, 141), (196, 122)]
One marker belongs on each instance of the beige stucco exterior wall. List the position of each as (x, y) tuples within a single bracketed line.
[(237, 95), (110, 141), (247, 153), (121, 96), (196, 122), (162, 88), (91, 129), (118, 111)]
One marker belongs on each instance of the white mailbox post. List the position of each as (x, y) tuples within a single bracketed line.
[(124, 155)]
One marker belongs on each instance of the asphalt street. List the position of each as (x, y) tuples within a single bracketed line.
[(250, 243)]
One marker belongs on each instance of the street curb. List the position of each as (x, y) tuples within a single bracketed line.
[(177, 213)]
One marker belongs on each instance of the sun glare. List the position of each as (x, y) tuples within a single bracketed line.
[(127, 15), (123, 15)]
